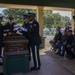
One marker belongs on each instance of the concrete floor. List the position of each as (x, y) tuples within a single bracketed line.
[(49, 67)]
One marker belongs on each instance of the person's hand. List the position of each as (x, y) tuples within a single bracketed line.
[(68, 45), (58, 41)]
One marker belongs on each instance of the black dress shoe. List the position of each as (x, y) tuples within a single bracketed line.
[(61, 54), (35, 68), (1, 73), (38, 68), (71, 57), (1, 63), (29, 59)]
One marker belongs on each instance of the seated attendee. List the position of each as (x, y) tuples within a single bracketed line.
[(57, 38), (74, 45), (67, 28), (69, 47), (61, 46)]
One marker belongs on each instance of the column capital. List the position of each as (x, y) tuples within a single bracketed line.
[(40, 7)]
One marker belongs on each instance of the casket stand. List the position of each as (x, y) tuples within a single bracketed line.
[(16, 54)]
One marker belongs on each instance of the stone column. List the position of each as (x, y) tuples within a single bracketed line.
[(40, 19), (41, 23), (73, 21)]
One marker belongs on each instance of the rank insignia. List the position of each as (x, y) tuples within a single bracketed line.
[(34, 24)]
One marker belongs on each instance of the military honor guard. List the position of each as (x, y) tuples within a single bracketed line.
[(26, 25), (35, 40), (1, 36)]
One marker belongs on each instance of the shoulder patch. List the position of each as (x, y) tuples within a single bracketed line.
[(34, 24)]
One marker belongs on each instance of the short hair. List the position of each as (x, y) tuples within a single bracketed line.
[(58, 27)]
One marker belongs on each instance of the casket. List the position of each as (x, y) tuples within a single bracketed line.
[(15, 43), (16, 54)]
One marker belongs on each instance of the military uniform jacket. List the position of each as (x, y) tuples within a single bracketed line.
[(34, 36), (9, 26), (26, 25), (1, 35)]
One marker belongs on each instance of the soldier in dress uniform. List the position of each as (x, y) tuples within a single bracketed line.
[(10, 24), (26, 21), (1, 36), (35, 40), (26, 25)]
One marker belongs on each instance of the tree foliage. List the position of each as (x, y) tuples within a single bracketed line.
[(55, 19), (50, 19), (16, 13)]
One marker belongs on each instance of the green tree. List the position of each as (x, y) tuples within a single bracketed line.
[(53, 19), (58, 20), (50, 19), (16, 13), (67, 19)]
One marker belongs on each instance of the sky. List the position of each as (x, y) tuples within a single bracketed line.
[(62, 13), (1, 9)]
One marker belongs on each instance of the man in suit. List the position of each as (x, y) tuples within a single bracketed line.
[(70, 40), (35, 40), (62, 45), (58, 35), (57, 39), (26, 25), (26, 21)]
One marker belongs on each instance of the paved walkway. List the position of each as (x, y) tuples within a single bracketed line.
[(49, 67)]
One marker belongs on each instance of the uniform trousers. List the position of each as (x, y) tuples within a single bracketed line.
[(35, 55)]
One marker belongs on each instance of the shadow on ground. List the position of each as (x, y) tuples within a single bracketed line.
[(62, 60)]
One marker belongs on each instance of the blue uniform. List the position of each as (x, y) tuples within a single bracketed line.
[(35, 41), (1, 38)]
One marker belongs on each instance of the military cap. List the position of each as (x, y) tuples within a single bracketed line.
[(31, 14), (25, 16), (10, 18)]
